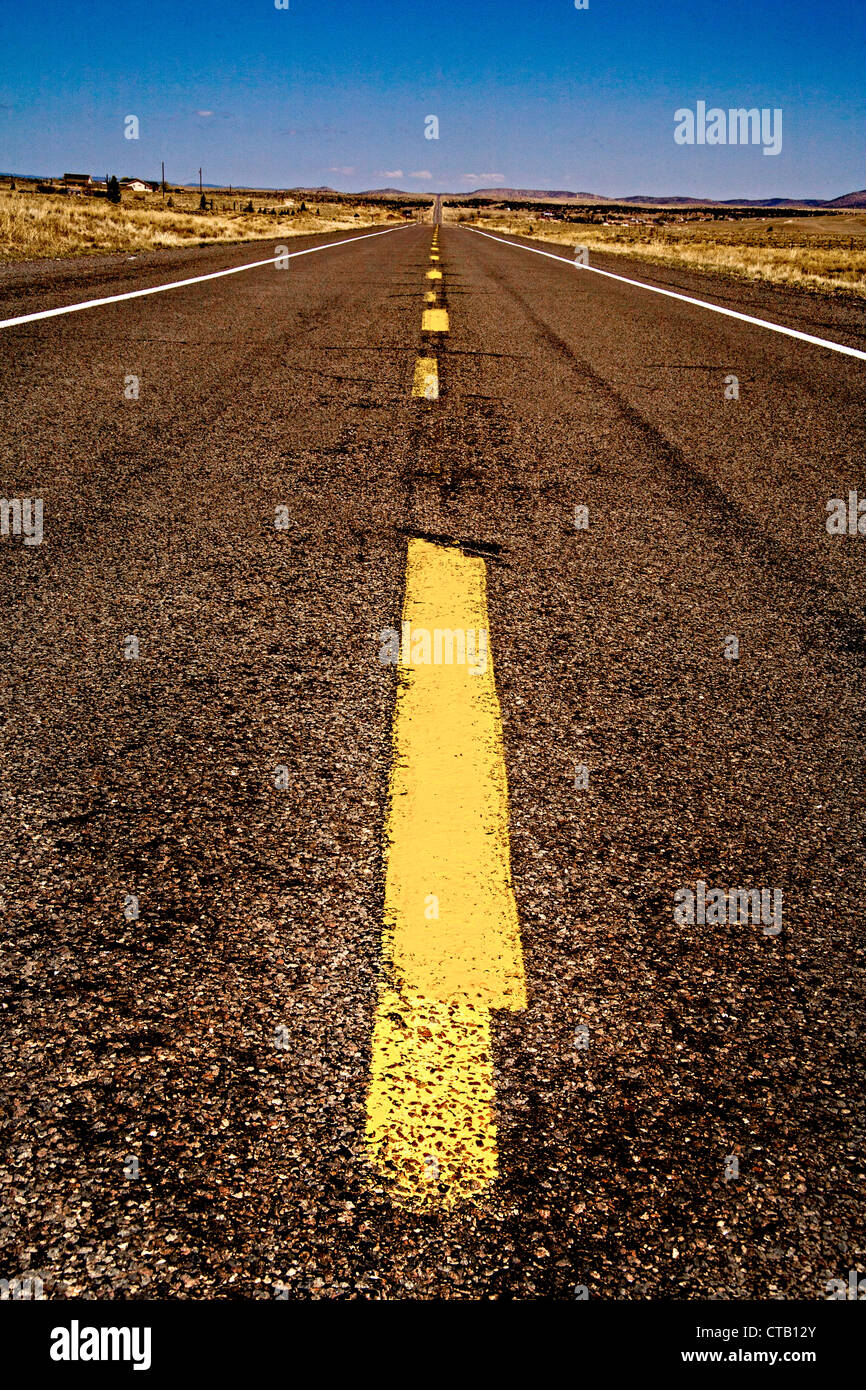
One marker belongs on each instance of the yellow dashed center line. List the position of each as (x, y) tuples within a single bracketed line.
[(426, 383), (434, 321), (451, 937)]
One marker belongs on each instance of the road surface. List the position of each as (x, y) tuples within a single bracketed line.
[(217, 785)]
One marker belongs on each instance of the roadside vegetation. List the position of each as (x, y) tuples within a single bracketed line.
[(826, 253), (36, 225)]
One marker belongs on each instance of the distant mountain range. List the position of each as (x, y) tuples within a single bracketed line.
[(558, 195), (546, 195), (850, 200), (390, 193)]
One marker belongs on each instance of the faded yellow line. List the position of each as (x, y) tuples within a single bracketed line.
[(426, 383), (451, 940), (434, 274), (434, 321)]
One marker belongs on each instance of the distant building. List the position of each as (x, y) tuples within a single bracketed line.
[(83, 182), (136, 186)]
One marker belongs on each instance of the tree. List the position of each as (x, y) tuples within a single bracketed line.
[(202, 204), (112, 191)]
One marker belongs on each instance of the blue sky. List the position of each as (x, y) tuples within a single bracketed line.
[(530, 94)]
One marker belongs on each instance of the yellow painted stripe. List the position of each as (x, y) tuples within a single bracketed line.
[(434, 321), (431, 1122), (451, 940), (430, 297), (426, 383), (434, 274)]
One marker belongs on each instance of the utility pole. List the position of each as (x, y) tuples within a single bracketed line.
[(163, 180), (199, 182)]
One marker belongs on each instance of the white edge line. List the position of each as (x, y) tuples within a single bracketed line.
[(195, 279), (686, 298)]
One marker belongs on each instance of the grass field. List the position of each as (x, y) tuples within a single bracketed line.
[(825, 253), (35, 225)]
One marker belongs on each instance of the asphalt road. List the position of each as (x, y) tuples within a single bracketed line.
[(219, 1043)]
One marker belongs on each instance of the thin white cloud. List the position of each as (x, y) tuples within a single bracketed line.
[(391, 173), (421, 174), (483, 178), (204, 113), (341, 168)]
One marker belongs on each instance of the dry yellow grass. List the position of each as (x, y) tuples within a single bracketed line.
[(34, 225), (829, 257)]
